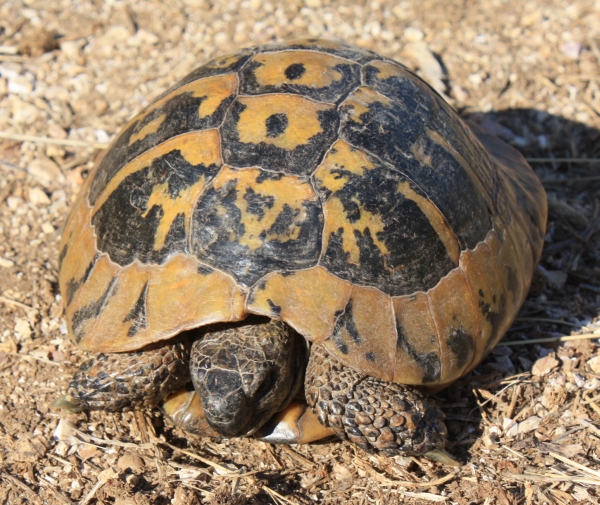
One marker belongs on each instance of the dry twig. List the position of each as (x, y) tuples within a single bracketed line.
[(46, 140), (22, 486), (563, 338)]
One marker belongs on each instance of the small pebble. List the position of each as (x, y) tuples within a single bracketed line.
[(571, 49), (38, 198), (544, 366), (20, 85), (130, 461), (594, 364), (22, 328), (45, 171), (412, 34), (86, 451), (47, 228), (528, 425), (5, 263), (61, 449)]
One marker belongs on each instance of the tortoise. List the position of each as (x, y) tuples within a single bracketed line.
[(298, 223)]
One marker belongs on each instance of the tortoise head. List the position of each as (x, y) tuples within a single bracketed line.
[(246, 372)]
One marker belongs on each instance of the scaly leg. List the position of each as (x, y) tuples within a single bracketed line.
[(125, 381), (372, 413)]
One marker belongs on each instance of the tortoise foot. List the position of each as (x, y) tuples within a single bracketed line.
[(374, 414), (125, 381)]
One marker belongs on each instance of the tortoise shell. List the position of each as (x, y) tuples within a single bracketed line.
[(316, 183)]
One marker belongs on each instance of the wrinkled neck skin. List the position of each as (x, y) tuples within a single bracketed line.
[(246, 372)]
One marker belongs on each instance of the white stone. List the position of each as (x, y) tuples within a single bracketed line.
[(20, 85), (4, 263), (113, 36), (22, 328), (57, 93), (38, 198), (544, 366), (571, 49), (430, 67), (102, 136), (56, 132), (14, 202), (529, 424), (594, 364), (142, 37), (24, 113), (221, 38), (45, 171), (412, 34), (509, 427), (72, 48), (47, 228), (578, 380)]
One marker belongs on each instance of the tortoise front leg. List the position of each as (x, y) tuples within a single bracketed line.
[(129, 380), (372, 413)]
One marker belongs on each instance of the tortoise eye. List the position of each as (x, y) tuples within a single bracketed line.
[(266, 387)]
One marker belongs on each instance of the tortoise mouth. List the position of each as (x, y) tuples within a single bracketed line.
[(244, 374)]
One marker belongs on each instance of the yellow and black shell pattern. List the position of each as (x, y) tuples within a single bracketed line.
[(317, 183)]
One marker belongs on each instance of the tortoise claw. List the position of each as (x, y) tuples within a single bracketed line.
[(296, 424), (443, 457), (69, 403)]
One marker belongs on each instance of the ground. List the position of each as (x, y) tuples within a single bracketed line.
[(525, 425)]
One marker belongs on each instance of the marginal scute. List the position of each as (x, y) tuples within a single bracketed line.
[(365, 331), (527, 198), (417, 346), (509, 264), (91, 299), (458, 325), (177, 297), (78, 251), (490, 299), (308, 300), (516, 226), (251, 222)]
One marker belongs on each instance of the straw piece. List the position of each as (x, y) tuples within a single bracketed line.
[(46, 140)]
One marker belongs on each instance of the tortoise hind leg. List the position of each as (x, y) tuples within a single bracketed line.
[(372, 413), (125, 381)]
